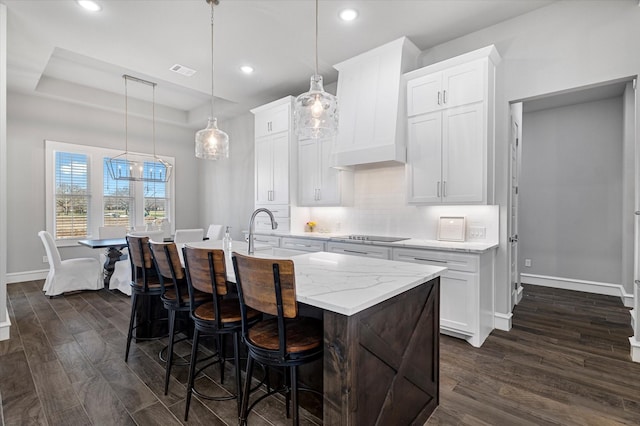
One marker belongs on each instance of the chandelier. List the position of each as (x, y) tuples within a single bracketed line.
[(135, 166)]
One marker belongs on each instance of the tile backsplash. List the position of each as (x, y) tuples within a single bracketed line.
[(380, 208)]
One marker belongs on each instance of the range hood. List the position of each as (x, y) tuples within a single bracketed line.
[(372, 105)]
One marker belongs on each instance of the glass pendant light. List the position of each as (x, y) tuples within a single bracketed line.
[(211, 142), (316, 111)]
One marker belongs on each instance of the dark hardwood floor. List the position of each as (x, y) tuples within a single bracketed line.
[(565, 362)]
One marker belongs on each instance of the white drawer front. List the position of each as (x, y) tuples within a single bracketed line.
[(267, 239), (453, 261), (278, 210), (359, 250), (303, 244)]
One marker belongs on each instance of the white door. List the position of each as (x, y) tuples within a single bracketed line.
[(328, 178), (280, 153), (424, 94), (424, 158), (264, 170), (463, 84), (307, 172), (463, 154), (514, 173)]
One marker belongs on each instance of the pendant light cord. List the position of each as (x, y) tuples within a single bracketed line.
[(212, 92), (153, 119), (126, 116), (316, 37)]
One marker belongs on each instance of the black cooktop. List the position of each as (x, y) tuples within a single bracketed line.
[(364, 238)]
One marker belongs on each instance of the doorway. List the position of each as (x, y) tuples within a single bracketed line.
[(571, 208)]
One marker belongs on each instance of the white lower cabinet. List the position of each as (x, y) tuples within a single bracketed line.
[(302, 244), (466, 291), (356, 249)]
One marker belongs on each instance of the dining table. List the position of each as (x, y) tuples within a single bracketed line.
[(114, 248)]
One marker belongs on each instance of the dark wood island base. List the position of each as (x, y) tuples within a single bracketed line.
[(381, 365)]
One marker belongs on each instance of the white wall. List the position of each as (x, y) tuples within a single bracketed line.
[(565, 45), (227, 191), (628, 188), (4, 317), (571, 192), (32, 119)]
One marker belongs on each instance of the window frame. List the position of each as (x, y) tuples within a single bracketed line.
[(95, 162)]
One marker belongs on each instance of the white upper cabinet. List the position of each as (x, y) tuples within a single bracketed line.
[(275, 154), (319, 183), (272, 169), (372, 111), (272, 120), (459, 85), (450, 130)]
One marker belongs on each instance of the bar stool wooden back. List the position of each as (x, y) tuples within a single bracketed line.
[(216, 316), (144, 283), (282, 340), (175, 294)]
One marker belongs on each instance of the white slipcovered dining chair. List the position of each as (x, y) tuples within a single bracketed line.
[(183, 236), (83, 273), (121, 278), (214, 232)]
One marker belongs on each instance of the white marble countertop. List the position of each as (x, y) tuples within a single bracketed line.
[(350, 284), (463, 246), (341, 283)]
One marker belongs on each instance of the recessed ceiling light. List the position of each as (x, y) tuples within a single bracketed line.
[(247, 69), (348, 14), (90, 5)]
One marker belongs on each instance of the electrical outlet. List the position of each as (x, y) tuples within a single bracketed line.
[(527, 263), (45, 259), (477, 232)]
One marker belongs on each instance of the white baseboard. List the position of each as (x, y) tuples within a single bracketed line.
[(4, 329), (635, 349), (502, 321), (596, 287), (517, 295), (19, 277), (633, 319)]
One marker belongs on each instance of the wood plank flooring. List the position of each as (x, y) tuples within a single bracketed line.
[(565, 362)]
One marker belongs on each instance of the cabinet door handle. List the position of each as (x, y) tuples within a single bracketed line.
[(444, 188), (438, 186), (355, 251), (319, 194), (444, 96), (429, 260), (438, 97)]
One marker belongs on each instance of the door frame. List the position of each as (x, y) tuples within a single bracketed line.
[(515, 144)]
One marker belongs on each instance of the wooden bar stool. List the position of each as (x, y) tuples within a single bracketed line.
[(144, 284), (217, 316), (283, 340), (175, 294)]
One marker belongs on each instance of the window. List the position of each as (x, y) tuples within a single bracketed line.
[(71, 195), (82, 196), (118, 200)]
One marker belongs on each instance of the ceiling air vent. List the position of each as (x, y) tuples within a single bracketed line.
[(181, 69)]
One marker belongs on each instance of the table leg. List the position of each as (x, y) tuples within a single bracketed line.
[(113, 255)]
